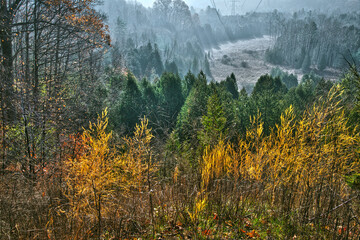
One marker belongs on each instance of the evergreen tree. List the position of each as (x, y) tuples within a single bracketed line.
[(188, 83), (171, 97), (243, 93), (207, 67), (289, 80), (125, 114), (266, 99), (231, 85), (189, 120), (133, 62), (156, 61), (149, 98), (145, 54), (242, 111), (171, 67), (305, 67), (322, 63), (150, 103), (301, 97), (214, 122), (267, 83), (195, 65)]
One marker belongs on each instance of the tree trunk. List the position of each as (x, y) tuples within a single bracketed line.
[(7, 68)]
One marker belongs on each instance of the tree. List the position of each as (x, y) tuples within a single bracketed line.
[(189, 119), (162, 8), (322, 63), (156, 61), (175, 12), (289, 80), (231, 85), (136, 167), (126, 113), (171, 67), (90, 178), (306, 64), (9, 10), (265, 99), (195, 65), (207, 67), (188, 83), (150, 101), (171, 97), (98, 174), (214, 122), (267, 83)]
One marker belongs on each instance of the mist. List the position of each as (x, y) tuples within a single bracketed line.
[(243, 6)]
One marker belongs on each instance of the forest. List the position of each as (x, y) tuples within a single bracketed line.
[(113, 127)]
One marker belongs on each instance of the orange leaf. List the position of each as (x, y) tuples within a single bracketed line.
[(253, 234)]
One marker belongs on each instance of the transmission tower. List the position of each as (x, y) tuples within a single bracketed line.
[(233, 6)]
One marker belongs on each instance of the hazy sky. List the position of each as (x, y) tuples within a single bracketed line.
[(197, 3), (223, 5), (250, 5)]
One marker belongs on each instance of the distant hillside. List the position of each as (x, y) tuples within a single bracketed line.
[(283, 5)]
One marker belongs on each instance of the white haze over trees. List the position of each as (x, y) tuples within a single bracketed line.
[(268, 5)]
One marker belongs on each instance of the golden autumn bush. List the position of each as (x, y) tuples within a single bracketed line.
[(308, 157), (99, 176), (91, 178), (301, 166)]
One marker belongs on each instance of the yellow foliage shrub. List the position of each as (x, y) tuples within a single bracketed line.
[(217, 163), (90, 177), (304, 159), (97, 176), (136, 164), (299, 163)]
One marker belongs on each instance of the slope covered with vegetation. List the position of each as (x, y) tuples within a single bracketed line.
[(90, 150)]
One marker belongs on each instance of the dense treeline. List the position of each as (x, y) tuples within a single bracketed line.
[(184, 101), (316, 40)]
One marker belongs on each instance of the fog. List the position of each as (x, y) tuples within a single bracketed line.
[(242, 6)]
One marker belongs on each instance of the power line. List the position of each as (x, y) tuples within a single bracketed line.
[(258, 5), (242, 6), (217, 13)]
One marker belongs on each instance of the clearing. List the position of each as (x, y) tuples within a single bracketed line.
[(245, 58)]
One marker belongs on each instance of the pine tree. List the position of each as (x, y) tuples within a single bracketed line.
[(322, 63), (171, 97), (214, 122), (207, 67), (189, 120), (195, 65), (126, 113), (267, 83), (188, 82), (231, 85), (305, 67), (156, 61), (171, 67)]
